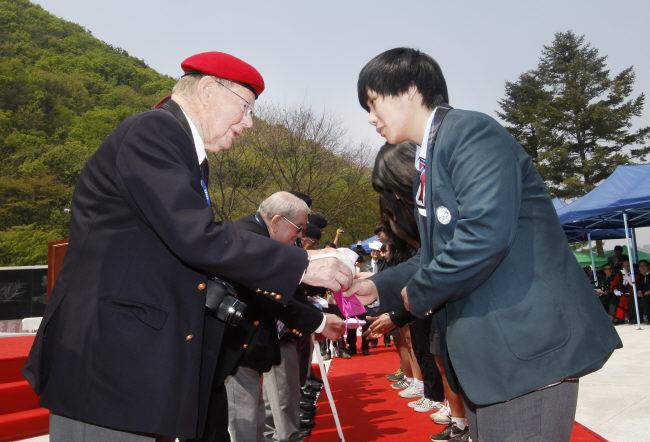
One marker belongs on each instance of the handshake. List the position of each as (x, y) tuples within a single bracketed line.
[(332, 269)]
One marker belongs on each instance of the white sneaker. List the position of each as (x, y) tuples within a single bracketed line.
[(427, 405), (442, 416), (416, 403), (414, 390)]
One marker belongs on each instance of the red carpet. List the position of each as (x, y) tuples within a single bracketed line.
[(20, 413), (370, 410)]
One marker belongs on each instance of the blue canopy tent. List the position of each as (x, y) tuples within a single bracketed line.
[(626, 191), (621, 201), (365, 243), (558, 204)]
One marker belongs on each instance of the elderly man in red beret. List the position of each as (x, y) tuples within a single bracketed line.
[(126, 350)]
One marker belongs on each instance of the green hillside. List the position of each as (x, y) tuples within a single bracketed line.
[(61, 92)]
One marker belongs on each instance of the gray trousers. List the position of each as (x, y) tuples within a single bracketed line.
[(63, 429), (245, 405), (541, 416), (282, 396)]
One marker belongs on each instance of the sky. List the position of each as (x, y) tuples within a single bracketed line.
[(310, 53)]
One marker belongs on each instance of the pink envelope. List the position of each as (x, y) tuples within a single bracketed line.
[(350, 306)]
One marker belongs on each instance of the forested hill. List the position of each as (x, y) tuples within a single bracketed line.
[(61, 92)]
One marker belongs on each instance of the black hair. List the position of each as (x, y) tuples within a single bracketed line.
[(644, 260), (392, 177), (303, 196), (379, 228), (394, 71), (313, 232), (318, 220)]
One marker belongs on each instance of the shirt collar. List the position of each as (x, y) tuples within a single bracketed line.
[(198, 141), (421, 153)]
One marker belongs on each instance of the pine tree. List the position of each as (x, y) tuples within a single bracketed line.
[(573, 117)]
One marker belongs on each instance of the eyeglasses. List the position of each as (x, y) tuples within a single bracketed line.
[(298, 228), (248, 107)]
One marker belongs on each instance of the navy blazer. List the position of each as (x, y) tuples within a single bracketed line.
[(495, 266), (122, 342), (258, 347)]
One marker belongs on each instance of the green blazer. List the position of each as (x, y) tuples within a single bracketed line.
[(516, 308)]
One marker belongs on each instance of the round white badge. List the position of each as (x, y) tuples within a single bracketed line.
[(443, 214)]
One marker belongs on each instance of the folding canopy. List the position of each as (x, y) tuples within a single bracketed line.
[(622, 200)]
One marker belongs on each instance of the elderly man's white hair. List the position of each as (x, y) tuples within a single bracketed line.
[(283, 204), (186, 85)]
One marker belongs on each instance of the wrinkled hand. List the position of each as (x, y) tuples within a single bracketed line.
[(405, 300), (334, 327), (330, 273), (365, 290), (381, 325)]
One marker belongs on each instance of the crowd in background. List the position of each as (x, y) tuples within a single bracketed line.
[(615, 284)]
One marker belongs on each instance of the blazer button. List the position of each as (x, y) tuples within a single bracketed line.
[(245, 346), (258, 291), (201, 286), (256, 323), (189, 338), (278, 297)]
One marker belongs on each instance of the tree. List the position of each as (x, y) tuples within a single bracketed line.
[(294, 149), (573, 117)]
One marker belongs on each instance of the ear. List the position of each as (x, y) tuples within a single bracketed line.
[(205, 89), (412, 92), (274, 221)]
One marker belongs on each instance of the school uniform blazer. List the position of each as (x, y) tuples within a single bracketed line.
[(495, 267), (122, 342)]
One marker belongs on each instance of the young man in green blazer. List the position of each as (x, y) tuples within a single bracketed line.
[(518, 319)]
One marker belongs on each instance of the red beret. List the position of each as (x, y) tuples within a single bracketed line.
[(225, 66)]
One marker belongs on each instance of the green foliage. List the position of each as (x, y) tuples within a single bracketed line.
[(573, 117), (296, 150), (25, 244), (61, 92)]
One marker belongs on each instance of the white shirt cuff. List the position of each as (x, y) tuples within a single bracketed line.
[(321, 327)]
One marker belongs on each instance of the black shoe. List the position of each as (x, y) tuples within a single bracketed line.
[(365, 351), (305, 433), (314, 386), (307, 406), (307, 414), (306, 424), (451, 433), (309, 395)]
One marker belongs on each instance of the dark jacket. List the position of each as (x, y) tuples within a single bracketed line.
[(260, 349), (122, 342), (496, 269)]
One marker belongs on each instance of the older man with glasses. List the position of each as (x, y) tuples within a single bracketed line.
[(126, 350), (281, 217)]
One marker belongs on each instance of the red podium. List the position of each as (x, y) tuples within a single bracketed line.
[(55, 254)]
